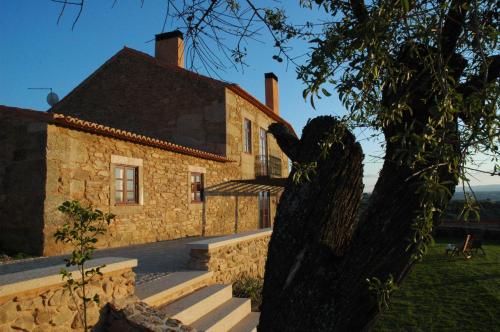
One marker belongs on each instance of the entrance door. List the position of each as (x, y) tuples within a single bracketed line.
[(264, 209)]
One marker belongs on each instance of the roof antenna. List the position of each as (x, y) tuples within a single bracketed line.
[(52, 97)]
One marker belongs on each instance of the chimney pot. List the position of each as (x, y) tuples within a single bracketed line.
[(272, 95), (169, 48)]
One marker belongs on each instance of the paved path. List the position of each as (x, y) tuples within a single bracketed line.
[(155, 259)]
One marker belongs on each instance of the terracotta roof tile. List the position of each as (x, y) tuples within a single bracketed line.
[(87, 126)]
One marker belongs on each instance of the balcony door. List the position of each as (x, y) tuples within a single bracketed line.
[(264, 209), (263, 151), (263, 142)]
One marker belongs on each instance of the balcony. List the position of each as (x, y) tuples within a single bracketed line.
[(267, 166)]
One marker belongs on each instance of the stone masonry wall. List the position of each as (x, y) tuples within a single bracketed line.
[(22, 181), (230, 261), (80, 167), (134, 93), (237, 109), (53, 308)]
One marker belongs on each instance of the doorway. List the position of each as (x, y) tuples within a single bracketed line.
[(264, 209)]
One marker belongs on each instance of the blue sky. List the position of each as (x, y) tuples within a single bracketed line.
[(35, 52)]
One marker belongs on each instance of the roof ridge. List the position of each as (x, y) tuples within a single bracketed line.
[(153, 60)]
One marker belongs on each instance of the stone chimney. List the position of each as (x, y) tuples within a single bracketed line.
[(169, 48), (272, 95)]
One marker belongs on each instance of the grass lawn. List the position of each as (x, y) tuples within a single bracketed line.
[(448, 294)]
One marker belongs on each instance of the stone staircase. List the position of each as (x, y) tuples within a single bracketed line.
[(190, 298)]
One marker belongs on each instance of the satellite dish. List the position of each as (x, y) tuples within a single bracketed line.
[(52, 99)]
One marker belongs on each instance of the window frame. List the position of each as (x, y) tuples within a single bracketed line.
[(247, 136), (201, 187), (125, 180)]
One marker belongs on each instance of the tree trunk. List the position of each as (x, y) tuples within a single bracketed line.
[(321, 254), (313, 226)]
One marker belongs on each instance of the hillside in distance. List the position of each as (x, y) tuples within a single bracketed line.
[(486, 192)]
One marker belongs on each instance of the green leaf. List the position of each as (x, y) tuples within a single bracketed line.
[(406, 5), (305, 92), (312, 102)]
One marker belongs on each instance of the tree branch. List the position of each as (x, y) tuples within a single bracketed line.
[(286, 140), (453, 27), (78, 15), (477, 84), (493, 68), (61, 13), (276, 40), (66, 2), (489, 73), (359, 10), (205, 14)]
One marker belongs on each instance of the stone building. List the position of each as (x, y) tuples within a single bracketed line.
[(170, 152)]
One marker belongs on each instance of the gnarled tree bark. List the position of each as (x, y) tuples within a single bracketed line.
[(314, 222)]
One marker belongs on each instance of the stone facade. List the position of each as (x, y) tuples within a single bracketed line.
[(81, 168), (238, 109), (52, 308), (230, 257)]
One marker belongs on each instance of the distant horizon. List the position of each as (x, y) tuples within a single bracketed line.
[(483, 189)]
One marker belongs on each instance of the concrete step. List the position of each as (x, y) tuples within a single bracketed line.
[(171, 287), (192, 307), (247, 324), (224, 317)]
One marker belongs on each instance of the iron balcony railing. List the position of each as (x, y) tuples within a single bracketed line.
[(267, 165)]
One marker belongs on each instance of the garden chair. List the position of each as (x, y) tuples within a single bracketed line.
[(477, 244), (465, 248)]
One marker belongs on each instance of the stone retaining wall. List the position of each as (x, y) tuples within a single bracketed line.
[(231, 256), (35, 300)]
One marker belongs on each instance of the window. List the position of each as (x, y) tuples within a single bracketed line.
[(196, 187), (126, 185), (247, 139), (263, 142)]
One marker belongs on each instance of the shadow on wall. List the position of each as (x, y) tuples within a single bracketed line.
[(23, 172)]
